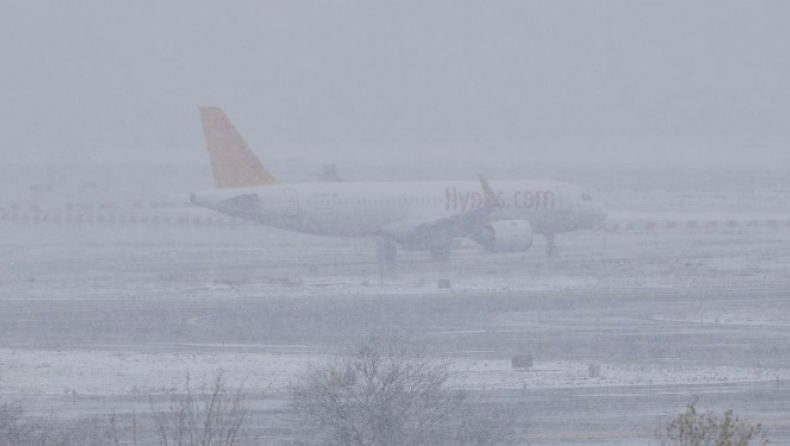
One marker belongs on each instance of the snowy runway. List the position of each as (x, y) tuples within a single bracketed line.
[(96, 316)]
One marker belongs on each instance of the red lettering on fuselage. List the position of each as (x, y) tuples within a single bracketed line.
[(531, 200), (451, 198), (547, 197)]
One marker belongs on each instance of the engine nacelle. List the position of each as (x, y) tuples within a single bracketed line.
[(507, 236)]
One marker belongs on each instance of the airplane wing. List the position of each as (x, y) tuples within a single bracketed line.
[(430, 233), (491, 201)]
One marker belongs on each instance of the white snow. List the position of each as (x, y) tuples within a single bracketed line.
[(101, 372)]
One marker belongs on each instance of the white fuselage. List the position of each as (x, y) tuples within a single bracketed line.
[(363, 209)]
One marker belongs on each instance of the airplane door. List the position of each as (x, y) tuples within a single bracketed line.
[(565, 199), (291, 203)]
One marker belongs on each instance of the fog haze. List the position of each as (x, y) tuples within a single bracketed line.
[(580, 217), (652, 80)]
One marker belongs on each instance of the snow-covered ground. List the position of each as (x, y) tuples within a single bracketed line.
[(122, 310), (118, 373)]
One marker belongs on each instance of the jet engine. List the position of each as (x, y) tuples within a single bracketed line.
[(507, 236)]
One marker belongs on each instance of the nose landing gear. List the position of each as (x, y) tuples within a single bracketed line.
[(551, 249)]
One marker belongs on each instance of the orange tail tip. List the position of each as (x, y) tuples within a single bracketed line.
[(233, 163)]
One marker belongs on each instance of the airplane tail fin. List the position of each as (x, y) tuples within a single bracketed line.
[(233, 163)]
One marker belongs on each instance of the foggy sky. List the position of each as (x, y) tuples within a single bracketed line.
[(96, 80)]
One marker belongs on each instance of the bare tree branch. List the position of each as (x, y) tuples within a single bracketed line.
[(391, 393), (216, 416)]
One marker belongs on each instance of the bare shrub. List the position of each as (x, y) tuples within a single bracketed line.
[(12, 427), (696, 429), (389, 392), (16, 429), (82, 432), (213, 415)]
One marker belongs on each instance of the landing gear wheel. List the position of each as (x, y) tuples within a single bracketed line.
[(551, 249), (440, 243)]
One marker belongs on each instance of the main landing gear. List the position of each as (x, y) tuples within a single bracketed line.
[(440, 244)]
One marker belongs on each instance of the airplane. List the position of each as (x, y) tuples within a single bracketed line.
[(502, 216)]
